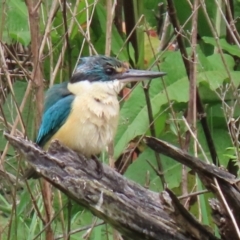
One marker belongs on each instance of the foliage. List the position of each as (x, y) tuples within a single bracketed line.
[(218, 79)]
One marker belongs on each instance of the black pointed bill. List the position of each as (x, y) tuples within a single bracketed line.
[(133, 75)]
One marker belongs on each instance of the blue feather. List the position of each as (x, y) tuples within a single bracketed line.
[(53, 118), (55, 93)]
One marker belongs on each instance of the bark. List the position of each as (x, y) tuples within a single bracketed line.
[(134, 211)]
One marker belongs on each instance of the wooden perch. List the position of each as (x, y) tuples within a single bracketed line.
[(212, 177), (134, 211)]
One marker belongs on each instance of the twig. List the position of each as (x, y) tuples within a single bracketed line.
[(35, 44), (230, 26), (89, 231), (189, 195), (108, 47), (48, 224), (153, 133), (163, 40), (191, 110), (80, 230), (160, 174), (37, 77), (200, 108), (60, 59), (229, 210), (130, 34), (195, 139), (141, 138), (109, 22), (47, 30), (68, 48), (91, 49), (69, 205), (62, 215), (19, 109)]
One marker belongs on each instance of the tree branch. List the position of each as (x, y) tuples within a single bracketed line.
[(134, 211), (220, 182)]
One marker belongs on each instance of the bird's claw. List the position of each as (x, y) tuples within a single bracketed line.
[(99, 167)]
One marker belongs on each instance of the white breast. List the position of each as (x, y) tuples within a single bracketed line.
[(93, 121)]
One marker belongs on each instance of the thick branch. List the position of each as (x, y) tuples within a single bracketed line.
[(133, 210), (183, 157), (211, 176)]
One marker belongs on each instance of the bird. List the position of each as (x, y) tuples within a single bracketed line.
[(83, 112)]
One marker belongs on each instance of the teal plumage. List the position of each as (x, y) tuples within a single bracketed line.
[(54, 94), (97, 68), (53, 118)]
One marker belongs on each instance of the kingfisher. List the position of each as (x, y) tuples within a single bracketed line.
[(83, 113)]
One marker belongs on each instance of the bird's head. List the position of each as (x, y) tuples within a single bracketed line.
[(108, 70)]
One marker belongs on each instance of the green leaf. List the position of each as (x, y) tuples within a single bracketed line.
[(217, 64), (100, 30), (10, 111), (203, 203), (150, 11), (131, 52), (215, 79), (81, 17), (139, 169), (16, 22), (134, 116), (232, 49), (221, 140)]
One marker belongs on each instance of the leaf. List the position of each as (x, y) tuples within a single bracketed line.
[(81, 17), (149, 10), (10, 111), (117, 42), (221, 140), (138, 170), (215, 79), (16, 22), (131, 52), (232, 49), (173, 65), (217, 64), (134, 116), (151, 45)]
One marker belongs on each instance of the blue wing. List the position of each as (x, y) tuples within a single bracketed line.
[(53, 118), (54, 94)]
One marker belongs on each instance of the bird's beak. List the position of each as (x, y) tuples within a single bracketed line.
[(133, 75)]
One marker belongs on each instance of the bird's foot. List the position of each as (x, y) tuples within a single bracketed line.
[(99, 167)]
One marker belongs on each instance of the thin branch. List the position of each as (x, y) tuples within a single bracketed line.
[(229, 210), (230, 26), (193, 194), (109, 23), (153, 133), (37, 76), (68, 48), (191, 110), (47, 30), (200, 108), (19, 109), (80, 230)]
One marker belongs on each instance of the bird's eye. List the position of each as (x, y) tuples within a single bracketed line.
[(109, 71)]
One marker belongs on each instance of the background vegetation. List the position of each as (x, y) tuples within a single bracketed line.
[(195, 107)]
